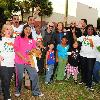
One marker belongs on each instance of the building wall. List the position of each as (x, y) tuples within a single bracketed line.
[(89, 13)]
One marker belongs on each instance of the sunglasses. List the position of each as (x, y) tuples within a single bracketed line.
[(50, 26), (73, 23)]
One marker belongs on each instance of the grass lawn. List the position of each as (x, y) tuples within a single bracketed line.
[(68, 90)]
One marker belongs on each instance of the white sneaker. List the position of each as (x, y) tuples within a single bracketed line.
[(46, 82), (40, 95), (8, 99), (90, 88), (80, 83), (17, 94)]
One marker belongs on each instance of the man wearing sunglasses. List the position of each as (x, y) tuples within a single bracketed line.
[(48, 33)]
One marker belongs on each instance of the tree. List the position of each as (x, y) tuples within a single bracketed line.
[(44, 7), (23, 6), (34, 4), (8, 6)]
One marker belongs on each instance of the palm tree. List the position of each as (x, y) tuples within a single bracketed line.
[(66, 12), (43, 8), (23, 6)]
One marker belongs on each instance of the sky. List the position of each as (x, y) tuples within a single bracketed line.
[(59, 5)]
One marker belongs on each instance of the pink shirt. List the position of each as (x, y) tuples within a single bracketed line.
[(23, 45)]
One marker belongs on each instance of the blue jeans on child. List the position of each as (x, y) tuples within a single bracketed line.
[(96, 71), (49, 72), (33, 77)]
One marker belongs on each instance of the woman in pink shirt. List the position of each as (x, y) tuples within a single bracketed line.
[(22, 45)]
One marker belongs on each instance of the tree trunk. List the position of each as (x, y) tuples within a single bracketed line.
[(41, 20), (32, 11), (22, 14), (66, 12)]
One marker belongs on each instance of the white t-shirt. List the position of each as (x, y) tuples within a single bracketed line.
[(7, 52), (17, 30), (88, 46), (34, 35), (96, 51)]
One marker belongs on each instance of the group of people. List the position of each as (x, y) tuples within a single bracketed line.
[(65, 51)]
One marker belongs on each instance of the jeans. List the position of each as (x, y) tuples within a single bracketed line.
[(6, 75), (33, 77), (96, 71), (49, 72)]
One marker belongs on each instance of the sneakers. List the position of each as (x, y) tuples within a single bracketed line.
[(66, 79), (8, 99), (75, 81), (17, 94), (40, 95), (90, 88), (80, 83), (47, 83)]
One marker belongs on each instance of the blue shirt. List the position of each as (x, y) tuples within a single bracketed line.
[(51, 58), (62, 51)]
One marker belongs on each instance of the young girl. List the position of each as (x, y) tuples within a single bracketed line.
[(50, 60), (7, 60), (40, 61), (73, 62), (61, 58)]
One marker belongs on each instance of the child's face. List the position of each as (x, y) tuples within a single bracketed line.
[(51, 46), (8, 31), (75, 45), (64, 41)]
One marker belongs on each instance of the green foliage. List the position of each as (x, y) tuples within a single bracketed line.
[(45, 8), (24, 6), (3, 3), (8, 6)]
